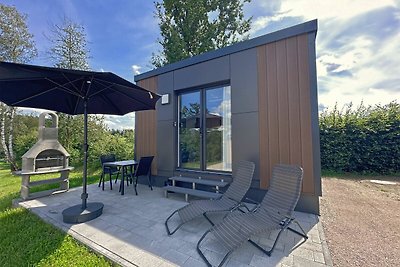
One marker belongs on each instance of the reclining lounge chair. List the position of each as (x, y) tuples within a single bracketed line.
[(275, 212), (229, 201)]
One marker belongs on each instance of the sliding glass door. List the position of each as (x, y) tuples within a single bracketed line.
[(204, 135)]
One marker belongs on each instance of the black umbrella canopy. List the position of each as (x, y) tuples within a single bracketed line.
[(73, 92), (65, 90)]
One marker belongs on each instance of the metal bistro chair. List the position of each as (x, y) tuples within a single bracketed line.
[(107, 170), (143, 169)]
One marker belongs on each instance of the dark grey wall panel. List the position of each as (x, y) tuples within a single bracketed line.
[(165, 146), (212, 71), (308, 204), (244, 81), (165, 83), (166, 86), (163, 175), (245, 139), (306, 27)]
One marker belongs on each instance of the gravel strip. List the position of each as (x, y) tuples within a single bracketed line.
[(361, 221)]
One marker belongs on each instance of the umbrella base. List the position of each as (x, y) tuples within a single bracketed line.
[(76, 214)]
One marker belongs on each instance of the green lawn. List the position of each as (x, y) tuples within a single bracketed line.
[(25, 240)]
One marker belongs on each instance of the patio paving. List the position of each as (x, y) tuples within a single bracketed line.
[(131, 232)]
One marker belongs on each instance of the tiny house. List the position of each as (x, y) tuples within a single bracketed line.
[(255, 100)]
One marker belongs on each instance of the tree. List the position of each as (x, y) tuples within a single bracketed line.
[(16, 45), (190, 27), (69, 49)]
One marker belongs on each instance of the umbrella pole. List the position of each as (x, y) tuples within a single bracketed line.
[(84, 195), (84, 212)]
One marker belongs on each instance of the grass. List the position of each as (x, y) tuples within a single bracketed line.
[(25, 240)]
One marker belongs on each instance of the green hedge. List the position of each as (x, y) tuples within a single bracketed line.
[(365, 139)]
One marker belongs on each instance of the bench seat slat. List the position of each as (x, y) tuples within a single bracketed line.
[(193, 192), (199, 181)]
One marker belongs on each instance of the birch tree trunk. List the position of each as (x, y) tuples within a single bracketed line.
[(10, 140), (8, 148), (3, 131)]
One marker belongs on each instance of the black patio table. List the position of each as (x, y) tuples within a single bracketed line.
[(123, 166)]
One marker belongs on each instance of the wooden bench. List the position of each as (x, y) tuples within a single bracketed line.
[(195, 191)]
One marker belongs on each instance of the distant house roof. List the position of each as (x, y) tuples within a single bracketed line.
[(299, 29)]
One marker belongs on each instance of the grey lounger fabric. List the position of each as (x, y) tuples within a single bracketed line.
[(274, 212), (229, 201)]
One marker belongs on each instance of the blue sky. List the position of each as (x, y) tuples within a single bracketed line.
[(358, 41)]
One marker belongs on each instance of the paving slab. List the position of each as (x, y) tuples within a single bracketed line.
[(131, 232)]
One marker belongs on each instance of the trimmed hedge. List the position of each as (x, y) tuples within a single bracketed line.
[(366, 139)]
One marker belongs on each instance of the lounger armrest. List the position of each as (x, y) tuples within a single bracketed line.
[(283, 213), (285, 222)]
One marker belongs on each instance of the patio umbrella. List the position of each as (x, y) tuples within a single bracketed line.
[(73, 92)]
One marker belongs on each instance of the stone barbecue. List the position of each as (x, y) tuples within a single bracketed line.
[(47, 153), (46, 156)]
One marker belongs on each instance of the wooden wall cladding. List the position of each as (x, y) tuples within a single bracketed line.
[(146, 127), (285, 108)]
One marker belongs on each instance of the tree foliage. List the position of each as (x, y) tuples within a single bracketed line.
[(101, 139), (69, 46), (190, 28), (26, 133), (16, 45), (70, 51), (366, 139)]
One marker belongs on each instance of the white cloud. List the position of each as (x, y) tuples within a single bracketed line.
[(112, 121), (354, 62), (260, 23), (33, 111), (136, 69), (371, 67), (349, 57), (339, 9), (120, 122)]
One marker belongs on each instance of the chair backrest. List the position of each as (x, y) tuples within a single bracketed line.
[(285, 188), (144, 166), (242, 176), (108, 158)]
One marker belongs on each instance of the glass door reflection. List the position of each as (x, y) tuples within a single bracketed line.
[(218, 129), (189, 138)]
